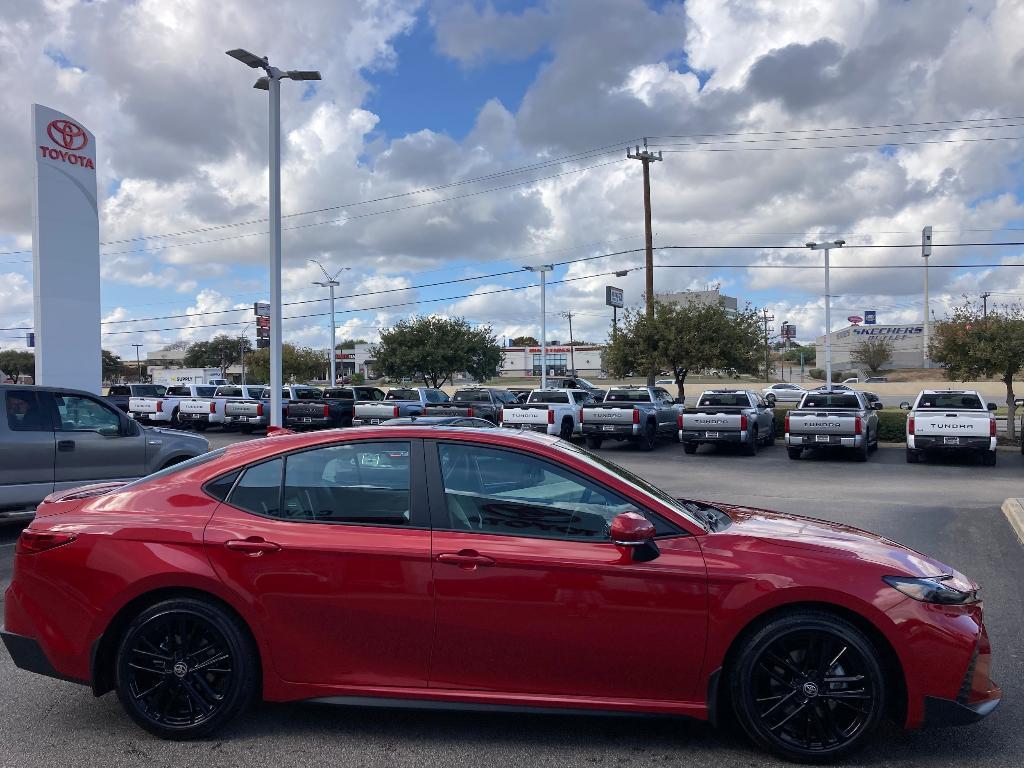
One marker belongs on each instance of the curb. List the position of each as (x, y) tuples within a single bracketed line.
[(1014, 511)]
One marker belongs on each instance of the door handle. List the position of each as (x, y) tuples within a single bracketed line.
[(467, 559), (254, 546), (65, 445)]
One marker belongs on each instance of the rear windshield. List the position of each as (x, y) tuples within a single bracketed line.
[(308, 394), (549, 397), (831, 401), (338, 394), (147, 391), (472, 396), (724, 398), (402, 394), (206, 391), (229, 392), (178, 392), (951, 401), (628, 396)]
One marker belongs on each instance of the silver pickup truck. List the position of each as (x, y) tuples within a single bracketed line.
[(400, 401), (55, 439), (729, 417), (833, 420), (638, 414)]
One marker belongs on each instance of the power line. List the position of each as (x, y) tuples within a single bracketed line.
[(837, 146)]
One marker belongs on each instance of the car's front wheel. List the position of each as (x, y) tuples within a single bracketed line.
[(185, 668), (808, 686)]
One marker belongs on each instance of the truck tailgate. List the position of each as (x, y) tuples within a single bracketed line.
[(144, 405), (608, 414), (822, 423), (197, 405), (251, 408), (952, 423), (712, 419), (312, 410), (526, 414), (389, 410)]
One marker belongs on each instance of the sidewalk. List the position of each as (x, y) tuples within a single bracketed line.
[(1014, 511)]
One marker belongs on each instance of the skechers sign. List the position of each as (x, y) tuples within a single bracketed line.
[(68, 137), (888, 330)]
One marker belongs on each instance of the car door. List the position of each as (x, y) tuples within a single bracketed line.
[(26, 471), (331, 546), (92, 442), (532, 597)]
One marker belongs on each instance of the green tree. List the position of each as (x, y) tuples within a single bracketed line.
[(222, 351), (111, 364), (297, 364), (873, 353), (792, 354), (524, 341), (434, 349), (685, 338), (348, 343), (16, 362), (970, 346)]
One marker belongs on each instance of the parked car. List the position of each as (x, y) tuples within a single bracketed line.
[(480, 402), (552, 411), (119, 395), (638, 414), (399, 401), (876, 380), (575, 382), (729, 417), (333, 409), (833, 388), (833, 420), (252, 566), (438, 421), (785, 392), (164, 410), (854, 380), (53, 439), (951, 421)]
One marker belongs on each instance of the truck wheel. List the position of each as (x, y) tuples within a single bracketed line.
[(648, 438), (566, 431), (247, 429), (593, 443), (861, 454), (690, 448), (794, 453), (750, 447), (200, 426), (771, 435), (913, 457), (175, 421), (988, 458)]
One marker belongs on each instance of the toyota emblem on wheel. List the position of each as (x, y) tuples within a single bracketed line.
[(67, 134)]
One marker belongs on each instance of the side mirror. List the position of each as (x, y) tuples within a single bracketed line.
[(878, 405), (631, 530), (905, 406), (994, 407)]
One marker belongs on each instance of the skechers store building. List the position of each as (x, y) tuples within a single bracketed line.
[(907, 341), (526, 361)]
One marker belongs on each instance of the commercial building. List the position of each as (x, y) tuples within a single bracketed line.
[(710, 297), (907, 341), (526, 361)]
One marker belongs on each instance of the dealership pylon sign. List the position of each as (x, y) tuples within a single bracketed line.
[(65, 252)]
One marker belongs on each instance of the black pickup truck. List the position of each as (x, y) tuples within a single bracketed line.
[(476, 402), (333, 410), (119, 394)]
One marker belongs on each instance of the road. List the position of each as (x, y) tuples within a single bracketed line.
[(950, 510)]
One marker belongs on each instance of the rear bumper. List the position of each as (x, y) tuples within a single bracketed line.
[(151, 418), (942, 713), (205, 418), (549, 429), (834, 441), (704, 436), (301, 422), (610, 430), (938, 443), (27, 654), (248, 421)]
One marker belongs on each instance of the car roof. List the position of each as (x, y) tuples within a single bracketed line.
[(949, 392)]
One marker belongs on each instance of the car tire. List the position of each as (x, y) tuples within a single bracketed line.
[(565, 432), (770, 441), (988, 458), (861, 454), (794, 453), (203, 655), (750, 447), (690, 448), (246, 429), (648, 438), (593, 443), (790, 682), (175, 422), (913, 457), (200, 426)]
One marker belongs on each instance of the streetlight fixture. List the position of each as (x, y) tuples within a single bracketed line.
[(826, 247), (272, 82), (543, 269), (330, 281)]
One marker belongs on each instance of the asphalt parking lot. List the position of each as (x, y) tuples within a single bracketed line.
[(949, 509)]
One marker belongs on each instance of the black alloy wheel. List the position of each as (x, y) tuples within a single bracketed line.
[(913, 457), (184, 668), (794, 453), (770, 441), (861, 454), (808, 687)]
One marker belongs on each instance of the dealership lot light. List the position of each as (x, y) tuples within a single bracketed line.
[(826, 247)]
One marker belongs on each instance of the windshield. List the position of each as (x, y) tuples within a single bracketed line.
[(951, 401), (549, 397), (472, 396), (402, 394), (307, 394), (647, 488), (338, 394), (710, 399), (837, 401), (628, 396), (179, 392)]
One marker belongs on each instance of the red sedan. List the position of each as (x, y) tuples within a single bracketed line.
[(436, 566)]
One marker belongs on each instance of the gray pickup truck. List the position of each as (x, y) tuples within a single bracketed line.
[(731, 417), (638, 414), (55, 439), (477, 402), (833, 420), (398, 402)]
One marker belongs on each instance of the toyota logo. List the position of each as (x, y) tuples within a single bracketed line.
[(67, 134)]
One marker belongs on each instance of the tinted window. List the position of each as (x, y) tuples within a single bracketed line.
[(338, 394), (951, 401), (178, 392), (627, 396), (402, 394), (205, 391), (119, 391), (221, 486), (472, 396), (503, 492), (24, 413), (365, 483), (259, 489), (143, 390), (549, 397), (815, 400), (228, 392), (307, 394), (727, 399), (83, 414)]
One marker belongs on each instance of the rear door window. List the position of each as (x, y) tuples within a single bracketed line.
[(25, 413)]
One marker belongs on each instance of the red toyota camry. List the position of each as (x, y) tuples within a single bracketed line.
[(437, 566)]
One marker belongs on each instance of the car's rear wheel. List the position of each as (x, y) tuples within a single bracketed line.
[(648, 437), (690, 448), (861, 454), (750, 449), (594, 443), (771, 435), (808, 686), (913, 457), (566, 430), (988, 458), (794, 453), (185, 668), (199, 426)]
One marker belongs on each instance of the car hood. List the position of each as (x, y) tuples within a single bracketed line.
[(824, 538)]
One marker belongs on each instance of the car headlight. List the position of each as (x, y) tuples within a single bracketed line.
[(943, 590)]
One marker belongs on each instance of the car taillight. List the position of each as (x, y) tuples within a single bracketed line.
[(787, 423), (32, 542), (581, 415), (259, 409), (395, 411), (501, 415), (327, 410), (159, 406), (992, 428), (551, 416), (679, 421), (858, 426), (636, 415), (213, 407), (910, 425), (469, 411), (743, 422)]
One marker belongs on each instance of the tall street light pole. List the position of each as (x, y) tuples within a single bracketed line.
[(543, 269), (272, 82), (572, 347), (331, 281), (826, 247), (926, 251)]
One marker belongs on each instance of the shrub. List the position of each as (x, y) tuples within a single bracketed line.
[(817, 373), (358, 378)]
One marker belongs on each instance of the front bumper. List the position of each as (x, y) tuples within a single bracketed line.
[(711, 436), (942, 713), (938, 443), (831, 441)]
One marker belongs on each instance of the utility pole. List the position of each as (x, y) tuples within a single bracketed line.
[(572, 349), (826, 247), (766, 318), (646, 158), (138, 362), (331, 281), (926, 251), (543, 269), (984, 303)]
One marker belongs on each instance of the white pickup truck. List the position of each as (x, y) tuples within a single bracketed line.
[(955, 420), (201, 412), (554, 411), (165, 410)]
